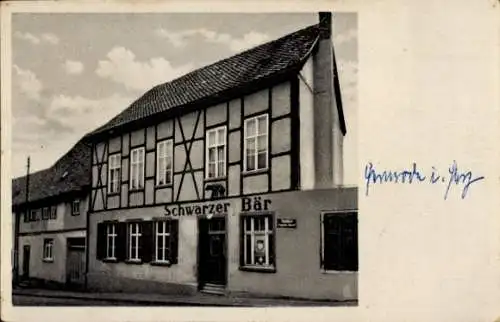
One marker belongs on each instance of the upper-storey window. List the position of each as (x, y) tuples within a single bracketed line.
[(114, 173), (75, 207), (216, 152), (164, 157), (256, 143), (137, 168)]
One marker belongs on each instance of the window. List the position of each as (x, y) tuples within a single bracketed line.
[(256, 143), (75, 207), (111, 241), (340, 242), (162, 241), (53, 212), (48, 245), (114, 163), (164, 162), (34, 215), (258, 241), (45, 213), (137, 169), (216, 152), (134, 234)]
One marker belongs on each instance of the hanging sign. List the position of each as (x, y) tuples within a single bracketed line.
[(287, 223)]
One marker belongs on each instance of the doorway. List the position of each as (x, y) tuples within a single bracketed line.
[(26, 262), (75, 262), (212, 269)]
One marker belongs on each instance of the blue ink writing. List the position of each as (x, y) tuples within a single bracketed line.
[(460, 178), (371, 176)]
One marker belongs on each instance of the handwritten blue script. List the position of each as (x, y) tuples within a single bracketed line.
[(454, 177)]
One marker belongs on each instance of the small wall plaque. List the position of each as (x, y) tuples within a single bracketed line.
[(287, 223)]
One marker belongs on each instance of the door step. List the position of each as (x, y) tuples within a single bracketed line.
[(215, 289)]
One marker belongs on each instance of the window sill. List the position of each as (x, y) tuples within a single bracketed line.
[(110, 260), (255, 172), (48, 260), (161, 263), (78, 214), (258, 269), (133, 261), (112, 194), (135, 189), (215, 179)]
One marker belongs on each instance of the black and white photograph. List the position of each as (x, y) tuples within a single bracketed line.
[(184, 159)]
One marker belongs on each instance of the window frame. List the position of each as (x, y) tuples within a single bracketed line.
[(140, 180), (215, 146), (117, 166), (169, 154), (48, 249), (166, 235), (322, 241), (130, 238), (270, 247), (113, 234), (73, 212), (256, 136)]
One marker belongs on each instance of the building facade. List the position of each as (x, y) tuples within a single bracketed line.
[(50, 216), (228, 179)]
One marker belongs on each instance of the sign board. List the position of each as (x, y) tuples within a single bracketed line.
[(287, 223)]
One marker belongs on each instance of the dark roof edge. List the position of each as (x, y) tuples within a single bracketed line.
[(337, 92), (83, 190)]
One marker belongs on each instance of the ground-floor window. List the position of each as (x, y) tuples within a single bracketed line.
[(257, 241), (48, 245), (134, 236), (340, 241), (111, 241)]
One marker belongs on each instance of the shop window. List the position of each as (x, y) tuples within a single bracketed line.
[(137, 169), (339, 242), (216, 153), (114, 173), (75, 207), (134, 236), (166, 238), (257, 242), (256, 143), (164, 162), (48, 246)]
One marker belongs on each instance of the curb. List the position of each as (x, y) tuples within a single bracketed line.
[(125, 300)]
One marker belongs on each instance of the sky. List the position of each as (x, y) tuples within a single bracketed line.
[(72, 72)]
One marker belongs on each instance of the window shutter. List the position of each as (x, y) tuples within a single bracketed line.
[(174, 241), (101, 241), (121, 241), (146, 242)]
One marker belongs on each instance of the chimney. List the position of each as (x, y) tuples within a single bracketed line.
[(328, 134), (325, 25)]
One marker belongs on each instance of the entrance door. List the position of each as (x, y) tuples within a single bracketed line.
[(212, 251), (26, 261), (75, 262)]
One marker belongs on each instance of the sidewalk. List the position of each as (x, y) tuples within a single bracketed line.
[(199, 299)]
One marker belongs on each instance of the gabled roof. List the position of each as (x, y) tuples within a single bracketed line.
[(70, 173), (238, 71)]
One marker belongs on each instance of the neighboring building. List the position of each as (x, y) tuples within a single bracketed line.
[(229, 179), (52, 220)]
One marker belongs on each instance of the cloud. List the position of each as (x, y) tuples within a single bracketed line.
[(180, 38), (50, 38), (27, 82), (344, 37), (348, 76), (73, 67), (85, 114), (122, 67), (46, 37)]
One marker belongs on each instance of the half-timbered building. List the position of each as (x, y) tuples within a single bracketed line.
[(229, 179), (49, 221)]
